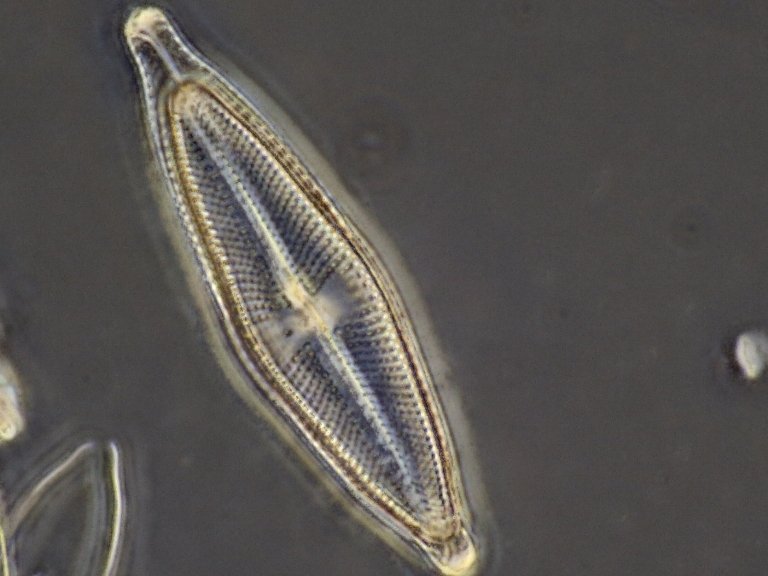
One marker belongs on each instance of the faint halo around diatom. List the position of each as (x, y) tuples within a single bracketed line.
[(311, 321)]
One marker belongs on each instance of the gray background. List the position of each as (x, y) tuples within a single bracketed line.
[(581, 192)]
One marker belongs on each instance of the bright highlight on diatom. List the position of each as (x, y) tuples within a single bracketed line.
[(308, 313)]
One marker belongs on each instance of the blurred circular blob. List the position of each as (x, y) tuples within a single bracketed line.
[(373, 139)]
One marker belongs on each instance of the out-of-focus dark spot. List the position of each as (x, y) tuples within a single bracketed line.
[(373, 138), (516, 12), (728, 366), (676, 5), (682, 8), (717, 12), (521, 8), (690, 228)]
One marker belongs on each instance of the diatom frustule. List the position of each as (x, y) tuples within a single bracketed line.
[(310, 318)]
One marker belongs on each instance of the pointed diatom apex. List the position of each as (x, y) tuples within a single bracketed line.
[(144, 20), (308, 315)]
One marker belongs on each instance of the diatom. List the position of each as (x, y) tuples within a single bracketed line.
[(99, 468), (310, 318)]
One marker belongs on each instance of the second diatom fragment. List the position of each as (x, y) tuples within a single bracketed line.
[(25, 525), (312, 319), (11, 416)]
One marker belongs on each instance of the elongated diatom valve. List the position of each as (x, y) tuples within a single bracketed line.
[(308, 313)]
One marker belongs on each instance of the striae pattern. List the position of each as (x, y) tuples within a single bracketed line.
[(310, 314)]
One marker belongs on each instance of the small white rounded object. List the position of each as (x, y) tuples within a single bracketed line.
[(751, 353)]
